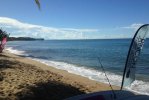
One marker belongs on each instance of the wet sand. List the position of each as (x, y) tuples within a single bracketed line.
[(25, 79)]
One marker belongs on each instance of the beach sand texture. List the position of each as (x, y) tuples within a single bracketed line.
[(24, 79)]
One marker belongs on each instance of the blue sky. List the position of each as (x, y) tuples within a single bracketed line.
[(74, 19)]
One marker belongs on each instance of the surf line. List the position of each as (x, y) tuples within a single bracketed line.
[(102, 67)]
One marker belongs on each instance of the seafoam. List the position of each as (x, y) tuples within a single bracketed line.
[(137, 86)]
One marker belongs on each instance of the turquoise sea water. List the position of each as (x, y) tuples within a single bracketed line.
[(81, 57)]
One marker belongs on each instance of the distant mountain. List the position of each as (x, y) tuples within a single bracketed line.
[(23, 39)]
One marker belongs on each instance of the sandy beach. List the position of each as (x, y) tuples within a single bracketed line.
[(25, 79)]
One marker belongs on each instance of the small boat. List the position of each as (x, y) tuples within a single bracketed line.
[(3, 40)]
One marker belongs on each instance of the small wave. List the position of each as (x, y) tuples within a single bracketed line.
[(15, 51), (84, 71), (139, 87)]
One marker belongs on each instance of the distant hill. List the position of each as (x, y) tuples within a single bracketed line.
[(23, 39)]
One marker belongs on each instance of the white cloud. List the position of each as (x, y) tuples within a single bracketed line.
[(18, 28), (134, 26)]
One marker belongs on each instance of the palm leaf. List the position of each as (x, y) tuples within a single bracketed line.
[(38, 3)]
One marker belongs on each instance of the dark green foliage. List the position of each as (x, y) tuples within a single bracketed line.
[(38, 3), (3, 34)]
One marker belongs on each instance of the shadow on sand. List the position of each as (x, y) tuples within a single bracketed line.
[(51, 90), (4, 63)]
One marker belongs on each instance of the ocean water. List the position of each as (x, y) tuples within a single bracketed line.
[(82, 57)]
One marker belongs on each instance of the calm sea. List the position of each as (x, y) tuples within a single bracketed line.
[(82, 57)]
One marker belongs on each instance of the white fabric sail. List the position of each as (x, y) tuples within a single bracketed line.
[(133, 55)]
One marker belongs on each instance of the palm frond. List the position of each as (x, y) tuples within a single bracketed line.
[(38, 3)]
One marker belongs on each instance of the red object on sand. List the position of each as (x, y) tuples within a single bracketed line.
[(2, 45)]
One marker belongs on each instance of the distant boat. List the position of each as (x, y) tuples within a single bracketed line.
[(3, 40), (128, 74)]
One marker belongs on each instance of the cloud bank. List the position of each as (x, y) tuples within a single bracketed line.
[(18, 28), (134, 26)]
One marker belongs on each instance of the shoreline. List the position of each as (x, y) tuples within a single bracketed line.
[(24, 78), (84, 71)]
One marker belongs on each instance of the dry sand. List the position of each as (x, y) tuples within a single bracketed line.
[(24, 79)]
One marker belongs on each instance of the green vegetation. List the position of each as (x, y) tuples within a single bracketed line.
[(3, 34)]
